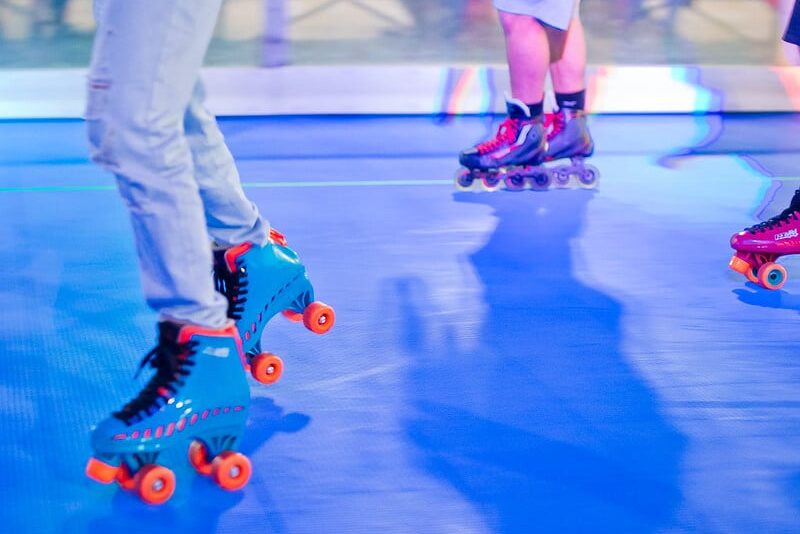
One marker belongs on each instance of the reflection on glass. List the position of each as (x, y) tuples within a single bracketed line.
[(58, 33)]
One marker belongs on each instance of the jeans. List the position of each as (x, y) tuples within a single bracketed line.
[(148, 126)]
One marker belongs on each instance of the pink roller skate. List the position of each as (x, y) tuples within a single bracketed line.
[(758, 247)]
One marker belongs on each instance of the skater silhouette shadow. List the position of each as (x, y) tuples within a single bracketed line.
[(526, 404)]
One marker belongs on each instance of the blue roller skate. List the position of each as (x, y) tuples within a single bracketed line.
[(512, 159), (569, 137), (260, 282), (196, 403)]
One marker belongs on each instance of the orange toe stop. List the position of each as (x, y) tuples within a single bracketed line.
[(739, 265), (101, 471)]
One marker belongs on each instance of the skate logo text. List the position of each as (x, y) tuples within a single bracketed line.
[(786, 235), (220, 352)]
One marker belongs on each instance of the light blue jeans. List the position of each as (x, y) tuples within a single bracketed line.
[(148, 126)]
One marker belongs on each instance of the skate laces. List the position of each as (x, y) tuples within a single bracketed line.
[(233, 285), (789, 214), (554, 123), (171, 360), (506, 134)]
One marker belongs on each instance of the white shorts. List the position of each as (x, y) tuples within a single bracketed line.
[(555, 13)]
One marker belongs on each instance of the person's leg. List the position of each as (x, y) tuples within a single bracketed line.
[(528, 55), (230, 217), (148, 56), (568, 70)]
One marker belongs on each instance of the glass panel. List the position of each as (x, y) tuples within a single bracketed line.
[(58, 33)]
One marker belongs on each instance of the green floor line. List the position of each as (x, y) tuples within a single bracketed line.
[(254, 185)]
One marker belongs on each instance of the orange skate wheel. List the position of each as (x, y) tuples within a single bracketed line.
[(100, 471), (266, 368), (319, 317), (124, 478), (292, 315), (752, 275), (154, 484), (772, 276), (198, 457), (231, 470)]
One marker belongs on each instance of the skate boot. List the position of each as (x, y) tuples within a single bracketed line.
[(512, 159), (260, 282), (759, 246), (569, 137), (196, 403)]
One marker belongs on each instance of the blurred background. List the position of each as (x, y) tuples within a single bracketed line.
[(58, 33)]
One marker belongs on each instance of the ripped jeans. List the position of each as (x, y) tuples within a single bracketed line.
[(147, 125)]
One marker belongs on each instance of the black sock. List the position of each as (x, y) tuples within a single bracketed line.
[(536, 109), (515, 112), (574, 101)]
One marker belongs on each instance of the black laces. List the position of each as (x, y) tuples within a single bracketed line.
[(790, 213), (231, 284), (172, 361)]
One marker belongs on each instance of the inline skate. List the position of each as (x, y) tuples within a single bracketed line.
[(512, 159), (569, 137)]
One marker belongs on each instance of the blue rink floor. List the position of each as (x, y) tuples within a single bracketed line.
[(569, 361)]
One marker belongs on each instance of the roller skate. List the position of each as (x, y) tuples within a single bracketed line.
[(569, 137), (260, 282), (195, 404), (759, 246), (512, 159)]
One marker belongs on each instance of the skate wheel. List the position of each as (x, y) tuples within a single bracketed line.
[(198, 457), (540, 180), (292, 315), (772, 276), (231, 470), (319, 317), (124, 478), (154, 484), (587, 178), (100, 471), (491, 182), (266, 368), (752, 274), (561, 178), (464, 180), (514, 182)]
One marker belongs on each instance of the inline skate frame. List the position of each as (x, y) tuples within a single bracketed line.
[(196, 403), (260, 282), (759, 247)]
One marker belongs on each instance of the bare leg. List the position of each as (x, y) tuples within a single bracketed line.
[(528, 55), (569, 67)]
